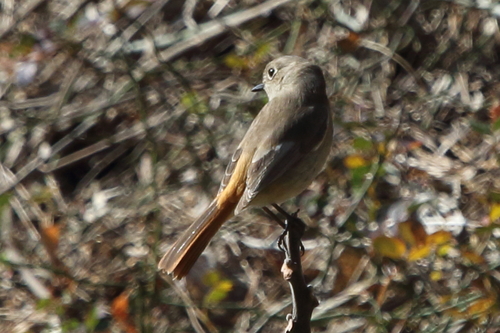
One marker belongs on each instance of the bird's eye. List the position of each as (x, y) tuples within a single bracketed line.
[(271, 72)]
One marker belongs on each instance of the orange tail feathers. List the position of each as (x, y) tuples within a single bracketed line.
[(183, 254)]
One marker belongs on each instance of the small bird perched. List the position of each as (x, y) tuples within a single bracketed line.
[(284, 149)]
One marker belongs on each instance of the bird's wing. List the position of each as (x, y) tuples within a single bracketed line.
[(230, 169), (280, 152)]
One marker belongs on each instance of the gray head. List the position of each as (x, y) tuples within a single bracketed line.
[(292, 75)]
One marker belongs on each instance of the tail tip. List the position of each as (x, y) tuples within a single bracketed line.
[(176, 274)]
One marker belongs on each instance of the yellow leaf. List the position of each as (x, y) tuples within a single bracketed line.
[(381, 148), (219, 287), (495, 211), (212, 278), (444, 299), (261, 52), (420, 252), (444, 250), (354, 161), (389, 247), (439, 238), (225, 285), (412, 232), (234, 61), (481, 306), (455, 313), (219, 292), (436, 275), (472, 258)]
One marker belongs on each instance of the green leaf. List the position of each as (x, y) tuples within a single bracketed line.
[(492, 196), (91, 321), (480, 127), (43, 303), (193, 103), (24, 46), (362, 144), (4, 199), (262, 51), (358, 176), (496, 125), (70, 325)]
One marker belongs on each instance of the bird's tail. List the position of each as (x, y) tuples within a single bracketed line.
[(183, 254)]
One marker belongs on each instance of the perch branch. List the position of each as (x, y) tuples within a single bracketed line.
[(303, 300)]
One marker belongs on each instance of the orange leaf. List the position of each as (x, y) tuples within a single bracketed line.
[(119, 307), (50, 240), (347, 263), (472, 258), (414, 145), (52, 235), (495, 112), (120, 311), (350, 43), (389, 247)]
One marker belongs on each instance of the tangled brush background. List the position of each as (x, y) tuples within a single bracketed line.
[(117, 119)]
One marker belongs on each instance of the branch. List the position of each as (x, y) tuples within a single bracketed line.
[(303, 300)]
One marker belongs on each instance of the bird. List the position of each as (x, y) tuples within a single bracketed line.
[(283, 150)]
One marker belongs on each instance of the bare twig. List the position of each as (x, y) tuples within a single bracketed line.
[(397, 58), (303, 300), (73, 72), (132, 29), (24, 10), (36, 161), (100, 165), (217, 7), (359, 194), (135, 131), (217, 27), (187, 14), (274, 216), (185, 40), (194, 313)]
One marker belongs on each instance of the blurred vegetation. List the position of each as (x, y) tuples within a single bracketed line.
[(117, 119)]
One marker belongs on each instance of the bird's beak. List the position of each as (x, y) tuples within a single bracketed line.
[(258, 87)]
